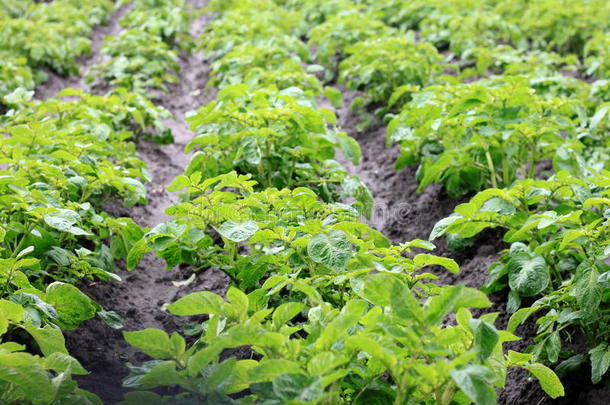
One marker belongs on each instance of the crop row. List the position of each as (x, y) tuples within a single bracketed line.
[(60, 161), (523, 111), (37, 35), (145, 53), (329, 310)]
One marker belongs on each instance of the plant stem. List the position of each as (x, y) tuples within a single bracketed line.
[(532, 169), (492, 169)]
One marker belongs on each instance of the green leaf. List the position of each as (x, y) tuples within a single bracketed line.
[(250, 151), (587, 289), (136, 253), (518, 318), (64, 220), (9, 311), (464, 105), (334, 96), (338, 328), (50, 340), (425, 259), (239, 301), (72, 306), (298, 387), (179, 183), (350, 148), (472, 380), (323, 362), (202, 358), (286, 312), (268, 370), (600, 362), (485, 338), (22, 370), (548, 379), (199, 303), (154, 342), (471, 298), (62, 362), (437, 307), (528, 274), (220, 375), (238, 231), (332, 249), (552, 346), (111, 318)]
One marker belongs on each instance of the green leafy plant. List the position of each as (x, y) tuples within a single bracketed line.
[(470, 136), (316, 12), (15, 74), (44, 378), (382, 344), (53, 34), (597, 56), (237, 65), (558, 230), (279, 136), (561, 26), (137, 60), (382, 66), (279, 226), (331, 38), (165, 19), (238, 27), (456, 26)]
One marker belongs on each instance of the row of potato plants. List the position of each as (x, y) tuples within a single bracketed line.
[(60, 161), (327, 309), (144, 55), (495, 134), (37, 35)]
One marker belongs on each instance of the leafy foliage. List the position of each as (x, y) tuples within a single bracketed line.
[(44, 378), (329, 310), (470, 136), (558, 234), (331, 38), (278, 136), (36, 35), (310, 352), (145, 53), (381, 66)]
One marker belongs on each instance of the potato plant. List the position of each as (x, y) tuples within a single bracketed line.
[(383, 344), (472, 136), (331, 38), (43, 378), (281, 137), (558, 230), (508, 97), (60, 161), (381, 66), (330, 311), (237, 27), (145, 54), (53, 34)]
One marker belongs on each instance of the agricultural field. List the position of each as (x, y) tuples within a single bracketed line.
[(305, 202)]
